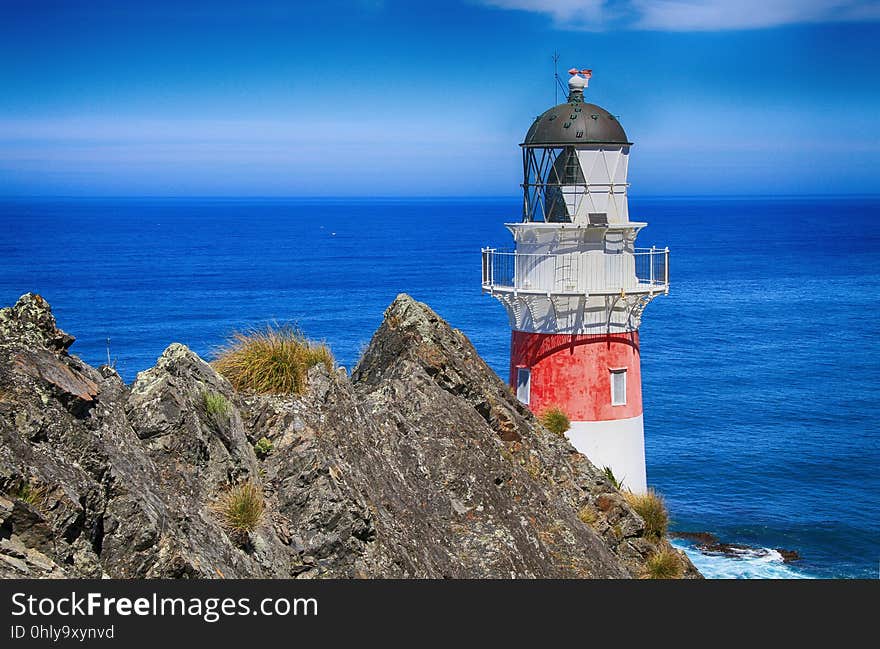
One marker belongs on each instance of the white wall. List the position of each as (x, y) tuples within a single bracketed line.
[(575, 259), (619, 444)]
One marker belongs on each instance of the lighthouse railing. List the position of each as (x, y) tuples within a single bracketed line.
[(588, 272)]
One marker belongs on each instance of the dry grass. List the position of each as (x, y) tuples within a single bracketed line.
[(274, 360), (652, 509), (588, 515), (664, 564), (555, 420), (241, 508)]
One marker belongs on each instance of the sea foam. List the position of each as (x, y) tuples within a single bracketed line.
[(752, 563)]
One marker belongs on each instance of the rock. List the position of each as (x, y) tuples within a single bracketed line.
[(700, 538), (166, 407), (450, 428), (31, 321), (30, 526), (18, 561), (70, 385), (789, 555), (421, 464)]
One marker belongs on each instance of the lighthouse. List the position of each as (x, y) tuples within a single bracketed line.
[(575, 285)]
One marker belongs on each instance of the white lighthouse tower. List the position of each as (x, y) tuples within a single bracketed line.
[(575, 285)]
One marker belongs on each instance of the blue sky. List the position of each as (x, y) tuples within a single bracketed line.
[(348, 97)]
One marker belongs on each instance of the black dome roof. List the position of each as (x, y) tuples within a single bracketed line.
[(575, 122)]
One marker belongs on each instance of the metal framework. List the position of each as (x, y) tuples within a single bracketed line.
[(567, 314), (546, 171), (542, 197)]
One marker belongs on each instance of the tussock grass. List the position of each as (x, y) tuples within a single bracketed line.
[(555, 420), (588, 515), (664, 564), (240, 508), (274, 360), (216, 405), (652, 509)]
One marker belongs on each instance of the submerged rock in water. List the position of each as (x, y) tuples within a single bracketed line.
[(789, 555), (421, 464), (698, 538)]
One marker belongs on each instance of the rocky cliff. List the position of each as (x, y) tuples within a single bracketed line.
[(421, 464)]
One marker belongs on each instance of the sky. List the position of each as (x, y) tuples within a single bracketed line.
[(397, 98)]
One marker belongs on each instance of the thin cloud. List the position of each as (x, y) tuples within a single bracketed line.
[(693, 15)]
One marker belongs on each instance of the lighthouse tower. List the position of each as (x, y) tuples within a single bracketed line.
[(575, 285)]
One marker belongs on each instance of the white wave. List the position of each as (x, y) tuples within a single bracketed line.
[(752, 563)]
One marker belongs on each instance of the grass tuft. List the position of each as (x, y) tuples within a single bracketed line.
[(652, 509), (588, 515), (664, 564), (241, 508), (216, 405), (555, 420), (263, 447), (274, 360), (609, 474), (33, 494)]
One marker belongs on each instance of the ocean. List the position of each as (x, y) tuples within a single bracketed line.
[(761, 368)]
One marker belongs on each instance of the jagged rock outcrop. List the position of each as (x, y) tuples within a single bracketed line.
[(422, 464)]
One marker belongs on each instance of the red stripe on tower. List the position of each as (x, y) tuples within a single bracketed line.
[(579, 373)]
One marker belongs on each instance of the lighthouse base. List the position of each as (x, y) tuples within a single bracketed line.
[(618, 444)]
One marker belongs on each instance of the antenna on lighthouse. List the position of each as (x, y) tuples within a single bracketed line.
[(559, 85)]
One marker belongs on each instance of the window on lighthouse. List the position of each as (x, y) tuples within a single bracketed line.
[(618, 387), (523, 384)]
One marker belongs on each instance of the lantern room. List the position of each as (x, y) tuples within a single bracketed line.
[(575, 159)]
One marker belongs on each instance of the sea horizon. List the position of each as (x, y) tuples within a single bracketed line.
[(404, 197)]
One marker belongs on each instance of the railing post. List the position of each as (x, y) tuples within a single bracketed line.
[(513, 266), (666, 267), (490, 263), (651, 265), (491, 267)]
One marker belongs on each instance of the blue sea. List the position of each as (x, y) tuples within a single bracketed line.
[(761, 368)]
